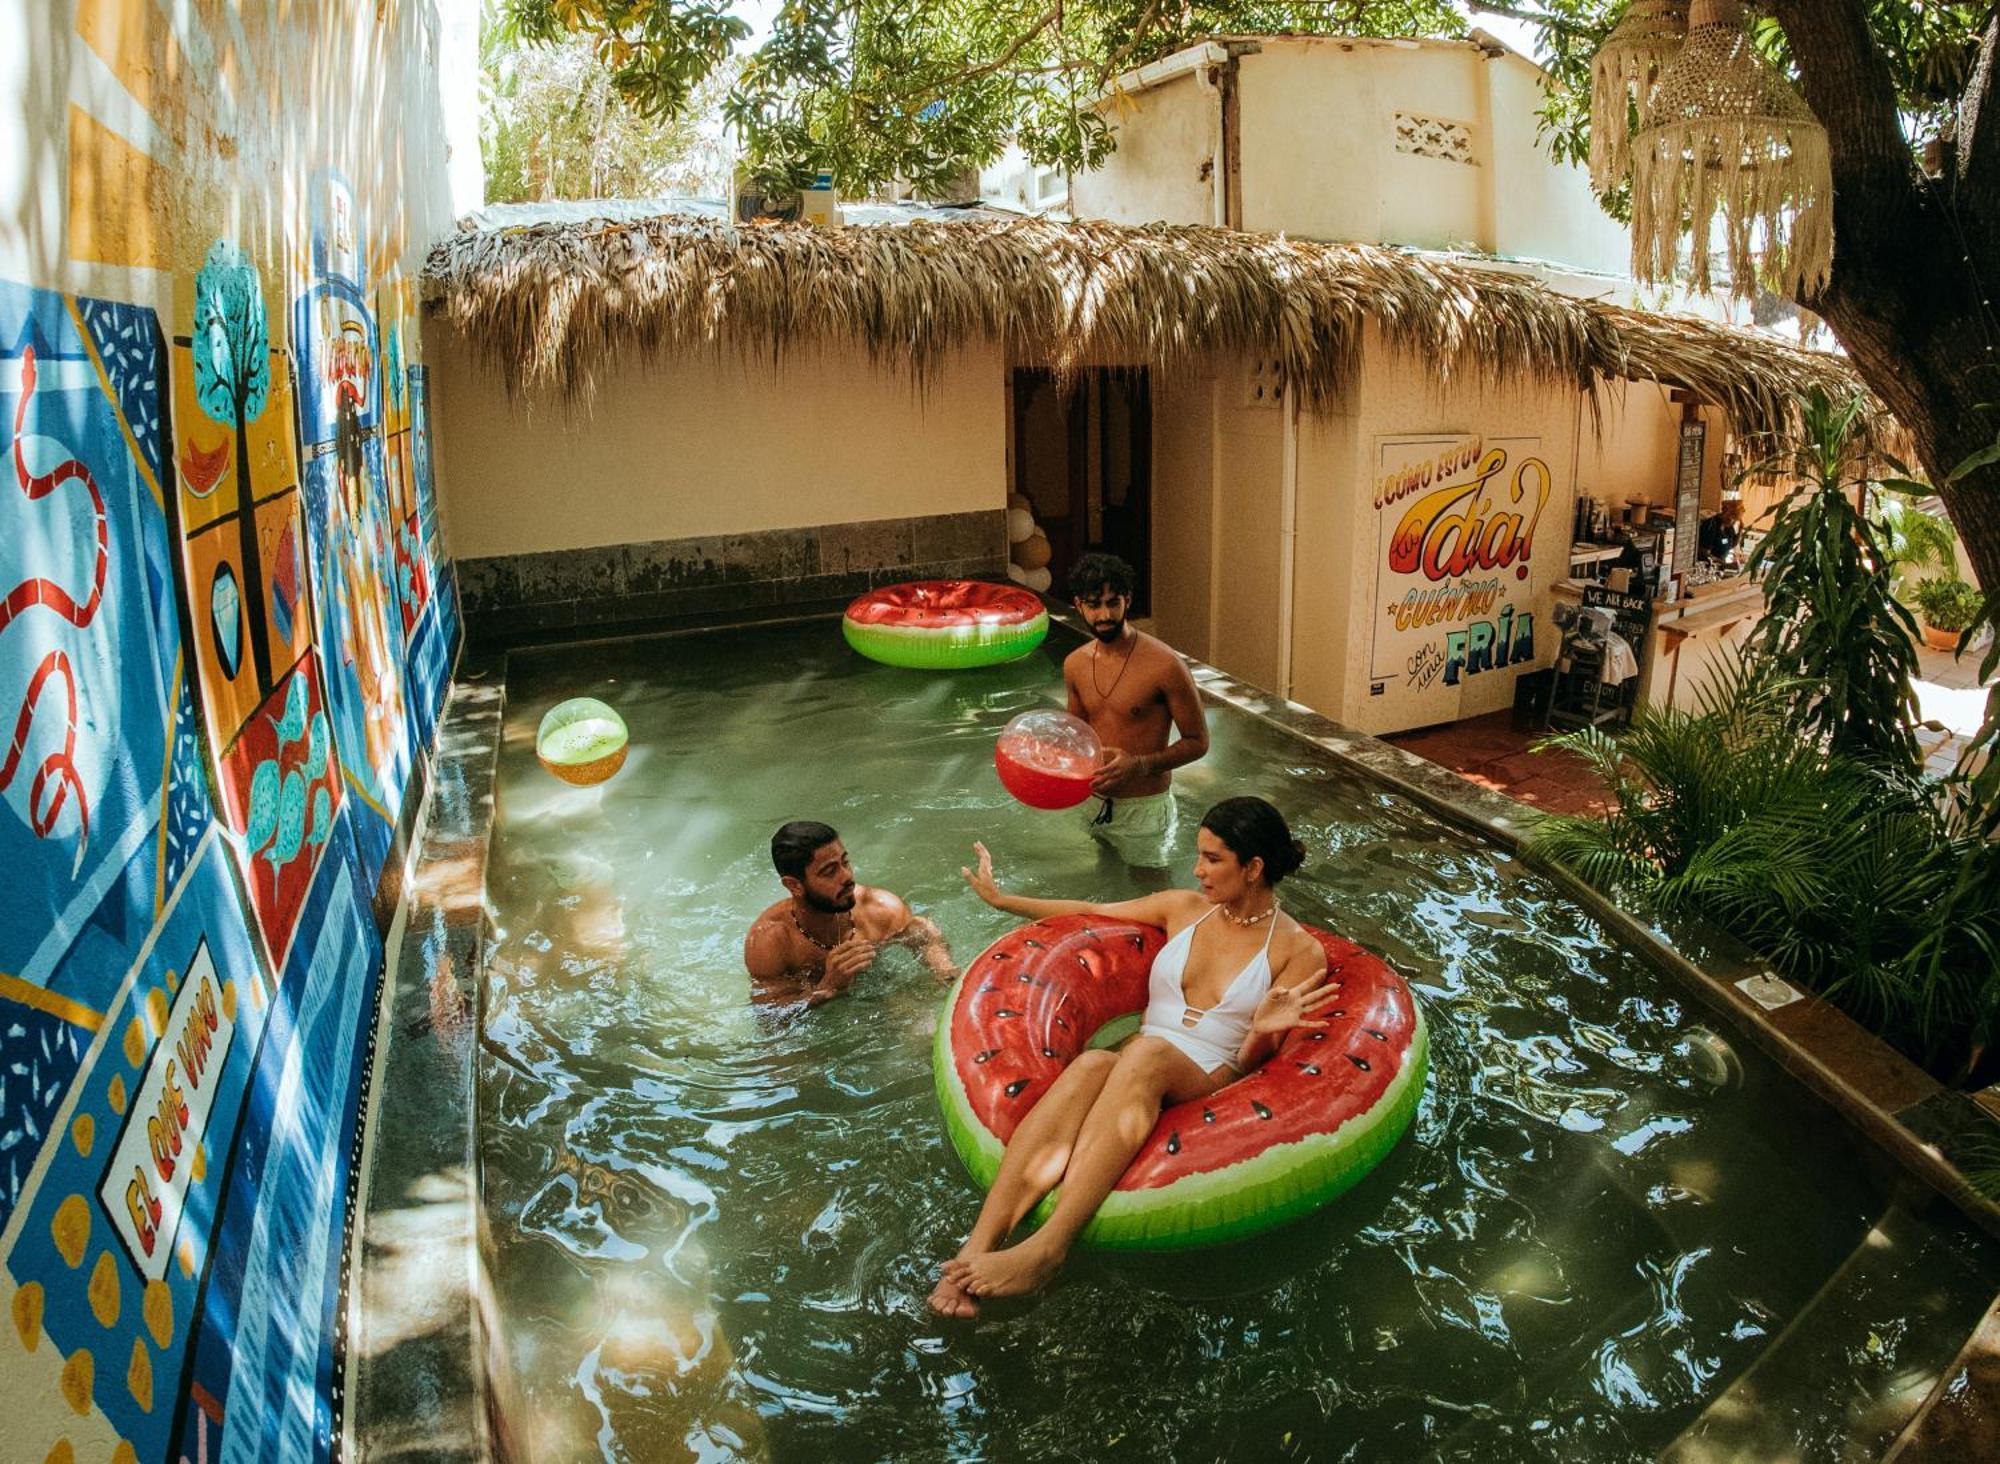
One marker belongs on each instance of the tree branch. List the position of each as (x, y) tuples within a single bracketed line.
[(1847, 82), (1979, 121), (1014, 48), (1530, 17)]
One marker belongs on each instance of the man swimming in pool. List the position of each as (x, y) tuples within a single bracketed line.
[(812, 944), (1133, 690)]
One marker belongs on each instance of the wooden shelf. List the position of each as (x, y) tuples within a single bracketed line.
[(1593, 553), (1735, 607)]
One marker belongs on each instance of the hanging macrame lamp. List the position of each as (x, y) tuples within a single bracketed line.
[(1623, 75), (1727, 135)]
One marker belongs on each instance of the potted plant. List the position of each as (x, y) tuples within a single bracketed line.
[(1947, 606)]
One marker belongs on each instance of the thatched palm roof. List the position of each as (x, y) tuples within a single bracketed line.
[(551, 304)]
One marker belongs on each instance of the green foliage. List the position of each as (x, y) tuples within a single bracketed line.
[(924, 92), (1980, 1159), (1853, 879), (1977, 778), (1946, 604), (1790, 807), (555, 125), (231, 342), (657, 52), (1930, 48), (1833, 620), (1913, 539)]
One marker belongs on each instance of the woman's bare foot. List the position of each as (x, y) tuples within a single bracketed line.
[(1015, 1271), (949, 1299)]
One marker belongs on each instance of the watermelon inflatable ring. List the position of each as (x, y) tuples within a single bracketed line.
[(939, 625), (1267, 1148)]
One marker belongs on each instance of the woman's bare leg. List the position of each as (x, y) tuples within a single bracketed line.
[(1032, 1166), (1148, 1070)]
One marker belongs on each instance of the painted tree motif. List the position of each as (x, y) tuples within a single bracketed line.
[(232, 374)]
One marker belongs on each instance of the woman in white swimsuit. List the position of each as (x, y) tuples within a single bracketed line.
[(1222, 994)]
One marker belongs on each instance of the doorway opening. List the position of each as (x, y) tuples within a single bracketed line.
[(1083, 458)]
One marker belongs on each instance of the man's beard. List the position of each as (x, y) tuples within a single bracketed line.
[(1111, 633), (839, 903)]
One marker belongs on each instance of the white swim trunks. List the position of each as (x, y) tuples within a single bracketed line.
[(1138, 830)]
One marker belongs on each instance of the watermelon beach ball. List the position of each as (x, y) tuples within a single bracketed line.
[(1046, 758), (581, 741)]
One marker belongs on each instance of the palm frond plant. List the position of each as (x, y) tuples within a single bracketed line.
[(1832, 616), (1913, 539), (1834, 866)]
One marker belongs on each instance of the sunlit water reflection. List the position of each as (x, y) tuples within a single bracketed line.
[(714, 1229)]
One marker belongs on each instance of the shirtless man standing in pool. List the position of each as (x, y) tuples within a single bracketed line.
[(1133, 690), (813, 943)]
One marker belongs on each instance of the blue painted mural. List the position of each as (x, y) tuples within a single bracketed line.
[(189, 978), (268, 1319), (94, 814), (350, 523)]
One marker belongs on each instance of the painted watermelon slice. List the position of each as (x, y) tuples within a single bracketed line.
[(1272, 1146), (932, 625)]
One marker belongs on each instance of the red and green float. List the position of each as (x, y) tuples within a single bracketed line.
[(945, 625), (1274, 1145)]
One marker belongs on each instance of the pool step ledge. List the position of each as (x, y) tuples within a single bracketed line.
[(429, 1377)]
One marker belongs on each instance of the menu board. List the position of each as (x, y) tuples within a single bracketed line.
[(1632, 613), (1687, 494)]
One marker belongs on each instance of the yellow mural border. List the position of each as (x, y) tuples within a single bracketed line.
[(41, 999)]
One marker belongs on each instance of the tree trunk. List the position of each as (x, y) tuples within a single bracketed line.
[(1915, 261), (253, 561), (1907, 306)]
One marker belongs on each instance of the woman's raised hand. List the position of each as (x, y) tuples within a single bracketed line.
[(1286, 1007), (981, 879)]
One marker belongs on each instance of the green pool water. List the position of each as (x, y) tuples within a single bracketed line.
[(713, 1229)]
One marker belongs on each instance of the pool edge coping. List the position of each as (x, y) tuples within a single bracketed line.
[(432, 1018)]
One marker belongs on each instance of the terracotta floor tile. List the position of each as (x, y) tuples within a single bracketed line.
[(1489, 751)]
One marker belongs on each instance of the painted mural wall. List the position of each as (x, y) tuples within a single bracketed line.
[(226, 626), (1434, 520)]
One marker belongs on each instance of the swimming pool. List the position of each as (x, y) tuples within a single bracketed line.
[(713, 1230)]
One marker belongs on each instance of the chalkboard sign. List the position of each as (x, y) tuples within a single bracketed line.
[(1632, 613), (1687, 494)]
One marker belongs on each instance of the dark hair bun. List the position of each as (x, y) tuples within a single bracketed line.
[(1253, 829)]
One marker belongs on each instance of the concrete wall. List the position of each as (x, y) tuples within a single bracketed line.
[(1333, 555), (1542, 209), (1184, 510), (1633, 455), (713, 445), (1162, 171), (1345, 640), (1250, 447), (228, 628), (1319, 143), (1324, 154)]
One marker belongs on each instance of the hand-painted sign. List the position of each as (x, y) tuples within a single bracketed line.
[(1455, 523), (146, 1185)]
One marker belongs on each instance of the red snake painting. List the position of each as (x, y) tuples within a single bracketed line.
[(57, 778)]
